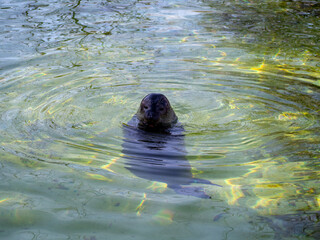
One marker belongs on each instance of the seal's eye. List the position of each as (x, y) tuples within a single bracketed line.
[(145, 107), (161, 109)]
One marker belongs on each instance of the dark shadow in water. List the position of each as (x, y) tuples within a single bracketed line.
[(287, 28), (295, 225), (161, 157)]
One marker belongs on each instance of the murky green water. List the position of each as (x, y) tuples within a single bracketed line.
[(242, 76)]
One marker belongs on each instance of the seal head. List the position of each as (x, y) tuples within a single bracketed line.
[(155, 113)]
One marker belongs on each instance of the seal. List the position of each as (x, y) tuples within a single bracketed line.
[(155, 113), (154, 147)]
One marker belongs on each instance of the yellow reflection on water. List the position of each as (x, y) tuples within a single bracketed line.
[(235, 193), (158, 186), (275, 186), (98, 177), (4, 200), (184, 39), (116, 100), (140, 207), (260, 68), (164, 217), (291, 115), (232, 105), (277, 54), (108, 166)]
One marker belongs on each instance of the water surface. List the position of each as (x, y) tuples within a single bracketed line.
[(242, 76)]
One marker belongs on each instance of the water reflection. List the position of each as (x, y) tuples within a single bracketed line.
[(282, 34), (245, 75), (272, 25)]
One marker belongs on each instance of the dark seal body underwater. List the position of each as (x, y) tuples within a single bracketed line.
[(154, 147)]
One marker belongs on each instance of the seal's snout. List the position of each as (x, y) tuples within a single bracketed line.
[(152, 117)]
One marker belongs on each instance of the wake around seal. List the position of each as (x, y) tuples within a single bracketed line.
[(154, 147)]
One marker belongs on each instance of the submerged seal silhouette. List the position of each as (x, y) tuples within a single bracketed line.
[(154, 147), (155, 113)]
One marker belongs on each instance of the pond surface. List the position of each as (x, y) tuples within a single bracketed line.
[(242, 76)]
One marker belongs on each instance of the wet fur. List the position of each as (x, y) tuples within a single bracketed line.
[(155, 113)]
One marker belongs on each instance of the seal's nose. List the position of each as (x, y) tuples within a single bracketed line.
[(152, 116)]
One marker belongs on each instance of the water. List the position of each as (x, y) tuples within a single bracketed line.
[(242, 76)]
